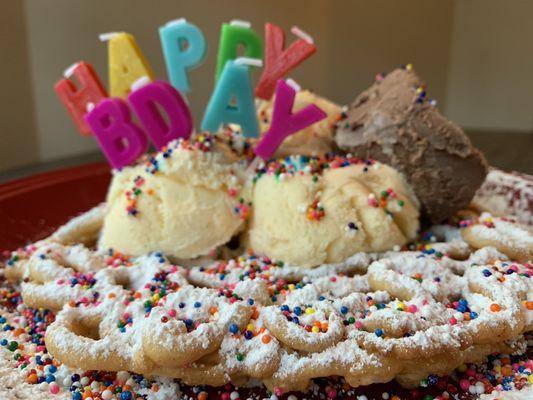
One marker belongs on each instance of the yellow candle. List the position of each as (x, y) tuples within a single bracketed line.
[(127, 63)]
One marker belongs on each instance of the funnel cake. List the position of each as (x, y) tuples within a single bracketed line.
[(504, 234), (213, 336), (506, 194), (399, 315)]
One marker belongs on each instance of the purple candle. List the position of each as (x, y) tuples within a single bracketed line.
[(151, 101), (284, 121), (119, 138)]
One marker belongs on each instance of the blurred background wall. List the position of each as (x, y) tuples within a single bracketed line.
[(473, 54)]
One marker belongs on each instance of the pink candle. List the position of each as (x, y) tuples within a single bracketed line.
[(151, 101), (119, 138), (284, 122)]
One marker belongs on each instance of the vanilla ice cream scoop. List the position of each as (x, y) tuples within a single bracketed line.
[(317, 138), (310, 211), (184, 202)]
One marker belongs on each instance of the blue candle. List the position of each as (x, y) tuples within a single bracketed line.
[(232, 101), (184, 48)]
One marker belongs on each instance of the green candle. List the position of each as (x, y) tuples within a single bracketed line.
[(237, 33)]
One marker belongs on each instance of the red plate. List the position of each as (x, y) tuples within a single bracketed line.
[(31, 208)]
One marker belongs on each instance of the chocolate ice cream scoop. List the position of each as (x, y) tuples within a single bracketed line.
[(393, 122)]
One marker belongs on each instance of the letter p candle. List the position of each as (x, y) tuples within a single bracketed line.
[(184, 48)]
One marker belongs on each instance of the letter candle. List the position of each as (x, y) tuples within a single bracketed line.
[(232, 100), (279, 61), (184, 48), (150, 100), (162, 109), (119, 138), (126, 63), (237, 33), (81, 99), (284, 122)]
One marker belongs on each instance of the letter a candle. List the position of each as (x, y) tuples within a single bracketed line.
[(233, 100), (127, 63)]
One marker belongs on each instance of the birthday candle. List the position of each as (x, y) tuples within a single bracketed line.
[(232, 100), (119, 138), (279, 61), (284, 122), (126, 63), (81, 99), (148, 102), (237, 33), (184, 48)]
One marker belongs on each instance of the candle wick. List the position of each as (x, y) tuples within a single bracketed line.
[(240, 23), (293, 84), (185, 98), (253, 165), (70, 70), (253, 62), (139, 83), (176, 22), (302, 35), (104, 37)]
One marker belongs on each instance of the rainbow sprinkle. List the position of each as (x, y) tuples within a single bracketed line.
[(307, 165), (315, 212)]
